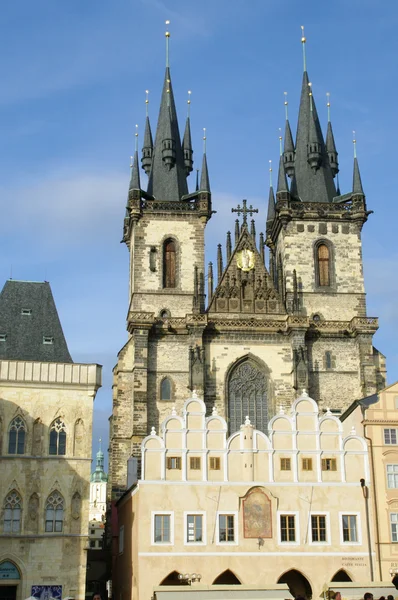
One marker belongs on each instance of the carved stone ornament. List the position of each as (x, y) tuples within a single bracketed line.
[(245, 260)]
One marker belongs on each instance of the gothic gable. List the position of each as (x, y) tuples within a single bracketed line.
[(246, 286)]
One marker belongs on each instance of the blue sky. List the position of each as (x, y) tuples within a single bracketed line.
[(73, 81)]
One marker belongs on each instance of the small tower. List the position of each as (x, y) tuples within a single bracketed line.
[(288, 151), (98, 483), (330, 143), (147, 149)]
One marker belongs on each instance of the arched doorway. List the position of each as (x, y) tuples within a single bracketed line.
[(298, 584), (227, 578), (172, 579), (248, 395), (341, 576), (9, 572)]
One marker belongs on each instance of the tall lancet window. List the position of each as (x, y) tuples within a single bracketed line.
[(169, 264), (323, 265), (248, 396)]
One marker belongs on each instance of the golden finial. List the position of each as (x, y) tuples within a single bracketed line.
[(136, 138), (280, 141), (310, 93), (328, 104), (167, 34), (189, 103), (303, 40), (270, 173), (146, 101), (286, 105), (354, 141), (204, 140)]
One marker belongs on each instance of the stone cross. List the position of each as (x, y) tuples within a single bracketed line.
[(243, 210)]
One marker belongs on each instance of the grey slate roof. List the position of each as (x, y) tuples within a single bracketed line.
[(288, 143), (330, 143), (166, 184), (282, 181), (204, 177), (357, 181), (135, 183), (271, 205), (311, 185), (148, 141), (25, 332)]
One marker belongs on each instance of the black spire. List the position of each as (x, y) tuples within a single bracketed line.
[(187, 148), (204, 177), (330, 145), (271, 207), (282, 181), (167, 183), (357, 182), (313, 182), (147, 149), (288, 150), (135, 183), (331, 150)]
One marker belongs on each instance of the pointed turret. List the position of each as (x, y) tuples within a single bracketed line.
[(135, 183), (313, 175), (204, 177), (187, 148), (314, 141), (282, 181), (167, 183), (331, 150), (271, 207), (357, 182), (288, 149), (147, 149), (330, 143)]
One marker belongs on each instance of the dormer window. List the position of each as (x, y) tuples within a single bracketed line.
[(48, 339), (26, 311), (3, 337)]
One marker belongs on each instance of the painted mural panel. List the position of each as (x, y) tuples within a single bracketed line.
[(257, 515)]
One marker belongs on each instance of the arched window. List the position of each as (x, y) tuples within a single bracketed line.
[(165, 389), (323, 265), (12, 513), (54, 513), (57, 438), (328, 360), (248, 395), (16, 436), (169, 264)]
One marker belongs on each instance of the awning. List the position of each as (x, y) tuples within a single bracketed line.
[(356, 589), (278, 591)]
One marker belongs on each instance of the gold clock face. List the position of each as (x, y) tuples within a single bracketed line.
[(245, 260)]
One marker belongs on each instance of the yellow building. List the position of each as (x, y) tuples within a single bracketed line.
[(46, 410), (249, 509), (376, 418)]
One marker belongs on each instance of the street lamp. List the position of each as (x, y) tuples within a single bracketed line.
[(189, 578)]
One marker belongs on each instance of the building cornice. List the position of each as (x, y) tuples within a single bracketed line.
[(73, 375)]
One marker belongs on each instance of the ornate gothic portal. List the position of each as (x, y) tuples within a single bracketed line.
[(247, 395)]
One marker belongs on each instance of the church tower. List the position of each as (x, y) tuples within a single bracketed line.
[(261, 336), (164, 231), (314, 237)]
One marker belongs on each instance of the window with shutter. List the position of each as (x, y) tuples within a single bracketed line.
[(169, 264), (323, 265)]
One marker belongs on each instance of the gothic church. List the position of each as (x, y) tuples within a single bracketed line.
[(252, 337)]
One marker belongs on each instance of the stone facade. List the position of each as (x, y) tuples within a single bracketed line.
[(46, 544), (300, 324), (376, 419), (305, 468)]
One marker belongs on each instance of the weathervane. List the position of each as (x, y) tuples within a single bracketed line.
[(244, 210)]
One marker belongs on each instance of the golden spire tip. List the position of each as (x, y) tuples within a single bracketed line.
[(303, 38)]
